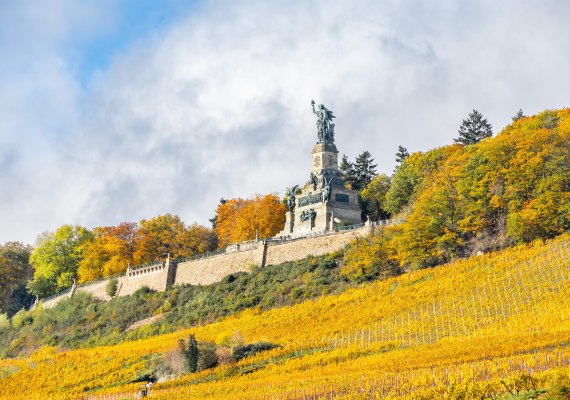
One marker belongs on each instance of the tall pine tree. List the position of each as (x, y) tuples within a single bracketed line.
[(401, 155), (364, 170), (346, 169), (474, 129), (518, 115)]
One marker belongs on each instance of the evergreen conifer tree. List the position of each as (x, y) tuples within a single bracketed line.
[(214, 219), (190, 352), (364, 170), (346, 169), (518, 115), (401, 155), (550, 120), (474, 129)]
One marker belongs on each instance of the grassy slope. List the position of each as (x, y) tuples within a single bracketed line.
[(458, 328)]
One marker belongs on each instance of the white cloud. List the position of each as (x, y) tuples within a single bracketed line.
[(220, 105)]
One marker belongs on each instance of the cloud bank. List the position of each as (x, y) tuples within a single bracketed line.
[(218, 104)]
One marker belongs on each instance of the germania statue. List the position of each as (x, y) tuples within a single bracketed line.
[(325, 127)]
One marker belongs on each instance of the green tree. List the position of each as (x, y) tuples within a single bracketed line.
[(473, 129), (518, 115), (373, 198), (401, 155), (111, 288), (56, 258), (15, 271), (364, 170), (410, 176), (190, 352), (347, 172), (549, 120)]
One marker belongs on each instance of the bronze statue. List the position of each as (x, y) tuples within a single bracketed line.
[(313, 180), (327, 189), (291, 197), (325, 127)]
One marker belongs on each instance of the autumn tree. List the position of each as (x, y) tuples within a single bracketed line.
[(473, 129), (109, 253), (167, 234), (196, 239), (373, 198), (410, 176), (549, 120), (56, 258), (214, 219), (368, 258), (511, 188), (15, 271), (240, 219)]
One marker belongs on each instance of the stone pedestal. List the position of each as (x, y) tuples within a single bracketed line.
[(325, 158), (289, 223), (313, 211)]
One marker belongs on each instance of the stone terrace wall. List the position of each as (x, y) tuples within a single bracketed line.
[(206, 271), (52, 301), (154, 276), (278, 253), (97, 289)]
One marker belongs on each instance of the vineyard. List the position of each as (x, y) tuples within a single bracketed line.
[(498, 323)]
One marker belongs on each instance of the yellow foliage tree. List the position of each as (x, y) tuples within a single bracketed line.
[(167, 234), (109, 253)]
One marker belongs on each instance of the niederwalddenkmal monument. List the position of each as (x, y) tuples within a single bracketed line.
[(324, 201)]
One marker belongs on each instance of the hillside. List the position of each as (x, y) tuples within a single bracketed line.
[(86, 322), (489, 324)]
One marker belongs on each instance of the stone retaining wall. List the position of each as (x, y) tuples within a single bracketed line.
[(206, 271), (210, 270), (278, 253)]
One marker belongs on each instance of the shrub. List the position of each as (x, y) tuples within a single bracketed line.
[(251, 349), (207, 357), (22, 318), (4, 321), (111, 288)]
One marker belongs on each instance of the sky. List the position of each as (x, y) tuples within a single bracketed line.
[(115, 111)]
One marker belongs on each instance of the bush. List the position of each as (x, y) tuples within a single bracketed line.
[(4, 321), (22, 318), (111, 288), (241, 352), (207, 357)]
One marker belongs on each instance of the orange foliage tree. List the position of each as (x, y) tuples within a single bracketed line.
[(115, 247), (239, 219), (167, 234), (110, 252)]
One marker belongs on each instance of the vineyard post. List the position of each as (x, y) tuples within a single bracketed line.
[(409, 331), (435, 322)]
